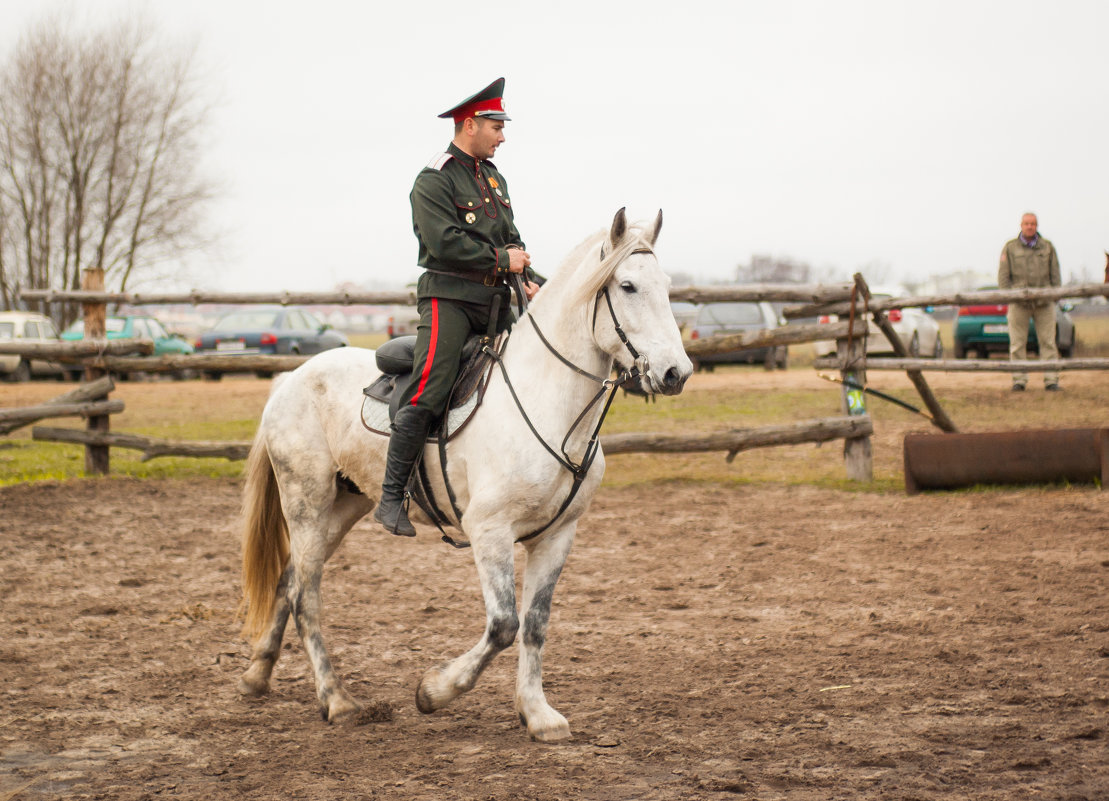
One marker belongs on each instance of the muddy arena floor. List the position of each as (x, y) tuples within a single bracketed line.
[(705, 643)]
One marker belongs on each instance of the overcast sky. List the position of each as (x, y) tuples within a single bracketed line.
[(901, 139)]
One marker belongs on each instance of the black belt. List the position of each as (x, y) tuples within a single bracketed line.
[(485, 279)]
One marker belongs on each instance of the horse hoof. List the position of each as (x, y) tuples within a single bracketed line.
[(424, 701), (342, 709), (433, 693), (252, 686), (546, 727), (551, 734)]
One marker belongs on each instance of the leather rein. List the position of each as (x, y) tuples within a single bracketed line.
[(579, 470)]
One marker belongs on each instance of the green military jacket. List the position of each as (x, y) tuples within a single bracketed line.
[(1028, 267), (462, 217)]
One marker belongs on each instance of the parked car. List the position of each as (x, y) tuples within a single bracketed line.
[(916, 328), (138, 327), (30, 327), (984, 329), (685, 315), (268, 330), (735, 318)]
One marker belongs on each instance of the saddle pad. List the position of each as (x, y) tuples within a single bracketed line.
[(375, 416)]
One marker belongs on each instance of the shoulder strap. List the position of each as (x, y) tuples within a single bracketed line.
[(439, 161)]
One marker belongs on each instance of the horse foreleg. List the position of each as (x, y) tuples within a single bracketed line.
[(545, 560), (441, 685), (256, 679)]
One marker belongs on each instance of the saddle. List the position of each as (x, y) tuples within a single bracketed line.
[(394, 360)]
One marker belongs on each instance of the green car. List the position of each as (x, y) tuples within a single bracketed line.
[(139, 327), (984, 329)]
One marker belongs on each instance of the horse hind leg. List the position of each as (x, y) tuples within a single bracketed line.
[(311, 551), (442, 684), (335, 702), (545, 560), (256, 680)]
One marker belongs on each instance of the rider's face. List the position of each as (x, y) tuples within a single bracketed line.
[(486, 138), (1028, 225)]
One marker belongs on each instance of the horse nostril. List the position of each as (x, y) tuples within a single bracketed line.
[(673, 377)]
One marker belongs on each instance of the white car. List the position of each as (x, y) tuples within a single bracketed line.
[(27, 327), (918, 331)]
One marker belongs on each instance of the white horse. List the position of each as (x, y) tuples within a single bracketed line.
[(314, 470)]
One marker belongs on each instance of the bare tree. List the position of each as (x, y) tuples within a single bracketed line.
[(100, 139)]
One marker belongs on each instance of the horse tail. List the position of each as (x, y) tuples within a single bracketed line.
[(265, 541)]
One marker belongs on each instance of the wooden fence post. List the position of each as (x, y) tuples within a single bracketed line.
[(95, 314), (857, 455)]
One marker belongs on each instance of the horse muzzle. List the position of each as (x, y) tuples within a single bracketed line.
[(672, 382)]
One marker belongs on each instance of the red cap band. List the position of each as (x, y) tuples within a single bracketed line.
[(482, 106)]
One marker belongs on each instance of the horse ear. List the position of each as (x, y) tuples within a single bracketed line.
[(619, 227), (658, 227)]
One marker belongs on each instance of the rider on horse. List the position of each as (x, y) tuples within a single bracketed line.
[(468, 247)]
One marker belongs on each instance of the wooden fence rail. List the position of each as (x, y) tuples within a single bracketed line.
[(980, 298), (733, 441), (799, 293), (736, 440), (93, 390), (29, 414), (150, 446), (77, 349), (102, 354), (965, 365)]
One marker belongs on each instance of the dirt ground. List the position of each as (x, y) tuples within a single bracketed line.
[(706, 643)]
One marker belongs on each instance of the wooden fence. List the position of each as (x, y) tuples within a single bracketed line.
[(854, 427)]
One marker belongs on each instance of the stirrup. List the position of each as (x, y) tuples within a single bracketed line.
[(394, 527)]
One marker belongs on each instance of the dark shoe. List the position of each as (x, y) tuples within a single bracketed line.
[(390, 512), (410, 427), (1018, 387), (1053, 388)]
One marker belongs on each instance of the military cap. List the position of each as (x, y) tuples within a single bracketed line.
[(488, 103)]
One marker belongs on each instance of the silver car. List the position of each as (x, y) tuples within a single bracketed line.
[(30, 327), (738, 317)]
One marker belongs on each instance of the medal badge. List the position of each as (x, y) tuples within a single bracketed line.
[(471, 217)]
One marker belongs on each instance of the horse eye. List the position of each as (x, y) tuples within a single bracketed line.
[(628, 287)]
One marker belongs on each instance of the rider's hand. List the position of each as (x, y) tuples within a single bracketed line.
[(530, 288), (517, 260)]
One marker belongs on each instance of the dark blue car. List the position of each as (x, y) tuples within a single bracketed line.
[(257, 330)]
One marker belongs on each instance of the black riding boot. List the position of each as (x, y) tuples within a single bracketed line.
[(410, 427)]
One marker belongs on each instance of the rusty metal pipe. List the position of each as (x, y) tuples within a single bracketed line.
[(1043, 456)]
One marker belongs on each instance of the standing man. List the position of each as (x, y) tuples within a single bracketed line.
[(1030, 261), (468, 245)]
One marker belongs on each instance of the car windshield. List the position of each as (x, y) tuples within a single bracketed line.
[(157, 330), (7, 330), (730, 314), (251, 320)]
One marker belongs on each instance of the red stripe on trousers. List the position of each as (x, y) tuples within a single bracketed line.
[(430, 350)]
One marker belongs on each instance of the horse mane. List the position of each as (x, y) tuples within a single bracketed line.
[(587, 273)]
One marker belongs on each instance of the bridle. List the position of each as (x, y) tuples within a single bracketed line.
[(579, 470)]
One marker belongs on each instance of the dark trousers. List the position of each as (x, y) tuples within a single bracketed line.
[(445, 325)]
